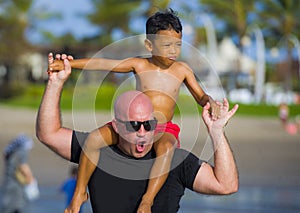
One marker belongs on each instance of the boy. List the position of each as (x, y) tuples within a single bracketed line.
[(159, 77)]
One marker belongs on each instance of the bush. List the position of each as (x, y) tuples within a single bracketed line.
[(11, 90)]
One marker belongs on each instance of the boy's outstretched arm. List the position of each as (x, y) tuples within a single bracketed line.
[(126, 65), (199, 95)]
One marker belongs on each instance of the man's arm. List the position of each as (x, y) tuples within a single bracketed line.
[(223, 177), (49, 128)]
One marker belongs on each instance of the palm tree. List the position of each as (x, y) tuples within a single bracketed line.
[(111, 15), (280, 21), (156, 5), (13, 43), (234, 15)]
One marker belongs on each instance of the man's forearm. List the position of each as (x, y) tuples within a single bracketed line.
[(49, 114), (48, 126), (225, 166)]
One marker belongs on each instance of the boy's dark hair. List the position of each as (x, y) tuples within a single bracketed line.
[(163, 21)]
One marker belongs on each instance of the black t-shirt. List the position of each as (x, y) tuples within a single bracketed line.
[(119, 182)]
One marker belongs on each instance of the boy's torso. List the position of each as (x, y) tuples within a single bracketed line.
[(161, 85)]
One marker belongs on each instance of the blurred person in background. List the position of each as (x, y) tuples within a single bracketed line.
[(68, 186), (283, 113), (17, 175)]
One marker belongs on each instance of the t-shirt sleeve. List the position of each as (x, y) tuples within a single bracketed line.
[(191, 166), (78, 139)]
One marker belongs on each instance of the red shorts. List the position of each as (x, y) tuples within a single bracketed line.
[(169, 127)]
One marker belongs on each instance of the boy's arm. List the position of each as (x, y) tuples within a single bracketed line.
[(199, 95), (49, 129), (223, 177), (126, 65), (195, 89)]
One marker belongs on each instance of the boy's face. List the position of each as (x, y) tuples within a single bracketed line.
[(166, 46)]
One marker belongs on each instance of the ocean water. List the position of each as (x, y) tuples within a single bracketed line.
[(247, 199)]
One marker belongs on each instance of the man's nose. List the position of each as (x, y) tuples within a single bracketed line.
[(141, 132)]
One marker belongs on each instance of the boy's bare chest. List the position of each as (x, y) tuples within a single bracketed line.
[(164, 82)]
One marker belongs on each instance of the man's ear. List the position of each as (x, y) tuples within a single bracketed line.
[(148, 45), (114, 125)]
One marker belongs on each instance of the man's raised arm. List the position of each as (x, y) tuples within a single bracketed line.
[(222, 178), (49, 128)]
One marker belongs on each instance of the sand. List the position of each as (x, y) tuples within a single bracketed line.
[(266, 154)]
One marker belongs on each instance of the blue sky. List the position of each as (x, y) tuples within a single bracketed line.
[(72, 20)]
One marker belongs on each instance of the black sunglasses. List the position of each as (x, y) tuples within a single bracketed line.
[(134, 126)]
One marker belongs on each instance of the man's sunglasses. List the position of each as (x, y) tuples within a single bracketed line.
[(134, 126)]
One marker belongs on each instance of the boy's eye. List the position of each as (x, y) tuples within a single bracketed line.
[(178, 44)]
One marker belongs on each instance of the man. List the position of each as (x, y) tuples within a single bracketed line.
[(125, 167)]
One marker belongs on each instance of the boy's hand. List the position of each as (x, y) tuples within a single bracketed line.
[(58, 63), (215, 109)]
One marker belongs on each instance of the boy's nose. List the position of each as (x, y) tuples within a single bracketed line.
[(172, 49)]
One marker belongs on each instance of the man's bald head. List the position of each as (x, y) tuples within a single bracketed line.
[(132, 103)]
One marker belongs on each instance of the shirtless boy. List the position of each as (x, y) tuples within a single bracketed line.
[(160, 77)]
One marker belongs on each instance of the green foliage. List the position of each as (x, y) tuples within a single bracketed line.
[(264, 110), (234, 14), (10, 90), (13, 23), (29, 96), (101, 98), (78, 97), (110, 15)]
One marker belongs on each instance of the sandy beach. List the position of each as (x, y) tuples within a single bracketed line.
[(266, 155)]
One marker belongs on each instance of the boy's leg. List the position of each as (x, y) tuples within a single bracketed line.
[(104, 136), (164, 149)]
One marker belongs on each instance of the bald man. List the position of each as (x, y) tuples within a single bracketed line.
[(124, 168)]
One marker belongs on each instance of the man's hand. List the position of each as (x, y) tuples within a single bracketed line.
[(212, 123), (57, 64), (64, 72)]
